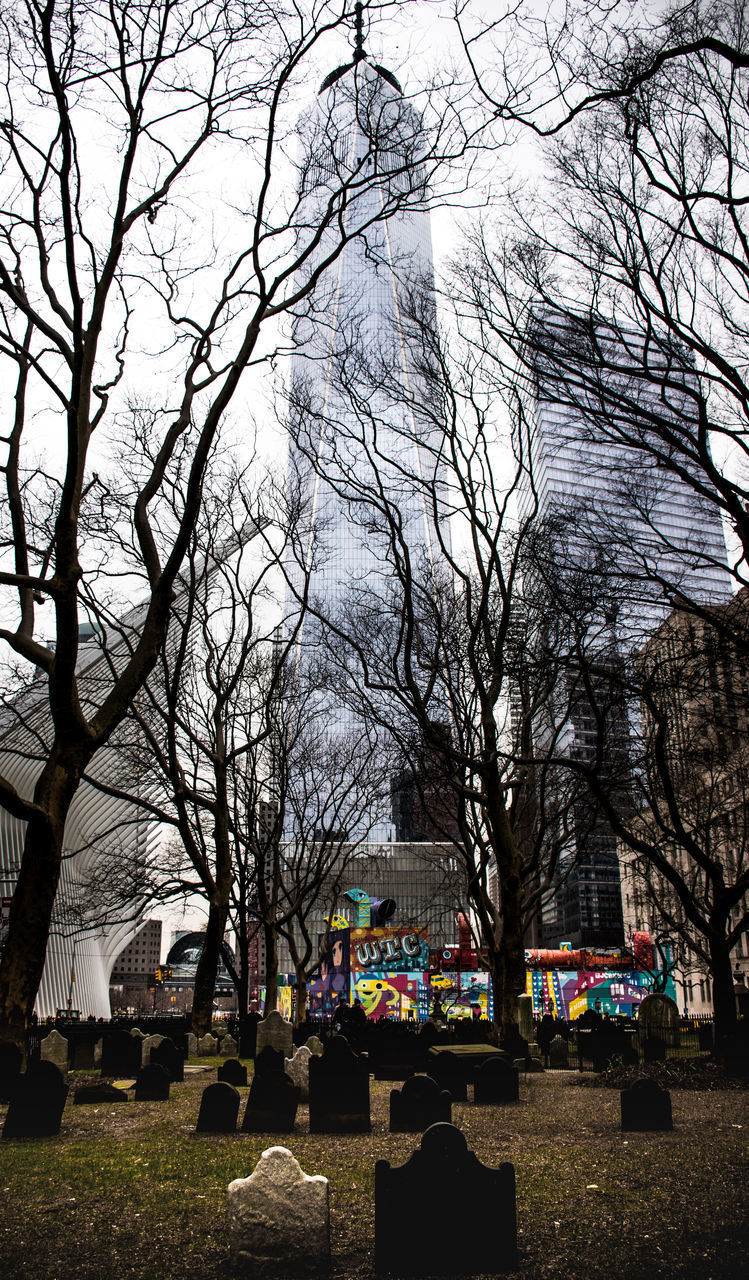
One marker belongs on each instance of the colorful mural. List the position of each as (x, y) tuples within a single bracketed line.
[(394, 949), (390, 995), (569, 992), (461, 993), (333, 979)]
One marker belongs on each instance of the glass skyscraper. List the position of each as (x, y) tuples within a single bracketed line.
[(601, 409), (356, 385)]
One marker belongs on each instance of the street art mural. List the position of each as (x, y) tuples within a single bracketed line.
[(567, 993), (393, 949), (333, 979)]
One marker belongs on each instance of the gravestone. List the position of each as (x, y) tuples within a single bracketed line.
[(54, 1048), (83, 1054), (102, 1093), (646, 1106), (248, 1035), (219, 1108), (526, 1025), (654, 1049), (229, 1047), (496, 1080), (149, 1043), (192, 1045), (658, 1015), (233, 1072), (339, 1090), (515, 1045), (207, 1045), (269, 1061), (559, 1053), (277, 1033), (167, 1055), (279, 1219), (139, 1035), (419, 1104), (271, 1105), (315, 1045), (11, 1061), (152, 1084), (478, 1195), (297, 1069), (36, 1107), (120, 1054), (449, 1072)]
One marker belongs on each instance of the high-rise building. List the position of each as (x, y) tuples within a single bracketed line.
[(697, 711), (599, 405), (349, 435)]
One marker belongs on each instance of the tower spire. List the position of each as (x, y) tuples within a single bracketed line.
[(359, 32)]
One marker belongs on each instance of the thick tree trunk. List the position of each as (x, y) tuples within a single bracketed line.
[(33, 900), (205, 975), (271, 968), (724, 1000)]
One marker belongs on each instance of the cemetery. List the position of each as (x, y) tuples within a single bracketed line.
[(472, 1162)]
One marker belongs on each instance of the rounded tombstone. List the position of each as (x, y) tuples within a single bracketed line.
[(219, 1108)]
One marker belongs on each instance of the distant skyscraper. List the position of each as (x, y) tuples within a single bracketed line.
[(616, 510), (351, 431)]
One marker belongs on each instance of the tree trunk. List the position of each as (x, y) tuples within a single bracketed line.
[(205, 975), (271, 968), (33, 900), (724, 1000)]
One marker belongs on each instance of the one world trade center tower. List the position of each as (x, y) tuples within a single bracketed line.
[(363, 445)]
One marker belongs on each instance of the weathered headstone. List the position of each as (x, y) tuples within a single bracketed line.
[(482, 1196), (297, 1069), (279, 1219), (526, 1025), (152, 1084), (277, 1033), (315, 1045), (233, 1072), (646, 1106), (192, 1045), (102, 1093), (149, 1043), (496, 1080), (219, 1108), (83, 1053), (658, 1015), (11, 1061), (137, 1033), (36, 1107), (120, 1054), (419, 1104), (559, 1053), (271, 1105), (229, 1047), (339, 1090), (54, 1048), (167, 1055), (207, 1045)]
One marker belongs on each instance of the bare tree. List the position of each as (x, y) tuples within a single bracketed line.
[(429, 643), (129, 281)]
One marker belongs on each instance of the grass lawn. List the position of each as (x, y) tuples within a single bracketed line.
[(132, 1191)]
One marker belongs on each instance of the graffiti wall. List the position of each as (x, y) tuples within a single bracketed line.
[(393, 949), (569, 992)]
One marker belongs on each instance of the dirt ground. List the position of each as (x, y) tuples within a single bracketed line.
[(131, 1191)]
